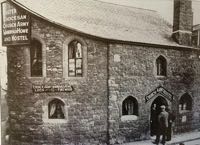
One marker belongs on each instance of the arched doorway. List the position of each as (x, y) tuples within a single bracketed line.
[(155, 110)]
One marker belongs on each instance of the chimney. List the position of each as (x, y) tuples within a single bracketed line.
[(183, 22)]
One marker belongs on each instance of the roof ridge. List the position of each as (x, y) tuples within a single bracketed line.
[(124, 5), (164, 20)]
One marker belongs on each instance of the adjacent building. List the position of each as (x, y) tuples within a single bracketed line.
[(196, 35), (89, 72)]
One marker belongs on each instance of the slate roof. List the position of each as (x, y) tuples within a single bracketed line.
[(104, 20)]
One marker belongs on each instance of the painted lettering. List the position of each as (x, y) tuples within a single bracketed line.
[(11, 11), (16, 31), (11, 18), (7, 39), (21, 24), (10, 25), (21, 17), (19, 38)]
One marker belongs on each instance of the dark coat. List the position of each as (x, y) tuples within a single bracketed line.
[(163, 120)]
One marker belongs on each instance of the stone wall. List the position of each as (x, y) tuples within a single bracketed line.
[(87, 103), (132, 73)]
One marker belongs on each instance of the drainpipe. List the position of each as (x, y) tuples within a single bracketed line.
[(108, 94)]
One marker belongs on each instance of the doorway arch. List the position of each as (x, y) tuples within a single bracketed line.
[(155, 110)]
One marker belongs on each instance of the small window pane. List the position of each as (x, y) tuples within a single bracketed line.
[(79, 51), (71, 52), (78, 63), (79, 72)]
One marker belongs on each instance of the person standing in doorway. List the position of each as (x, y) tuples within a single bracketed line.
[(171, 119), (154, 119), (162, 125)]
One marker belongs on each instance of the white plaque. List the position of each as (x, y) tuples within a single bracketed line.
[(117, 58), (184, 119)]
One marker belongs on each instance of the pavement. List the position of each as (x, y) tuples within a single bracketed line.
[(191, 138), (194, 142)]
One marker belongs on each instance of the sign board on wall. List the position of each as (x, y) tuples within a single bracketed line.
[(16, 28), (51, 88), (161, 91)]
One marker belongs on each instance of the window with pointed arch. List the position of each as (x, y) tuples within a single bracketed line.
[(185, 102), (56, 109), (75, 59), (130, 106), (161, 66), (36, 58)]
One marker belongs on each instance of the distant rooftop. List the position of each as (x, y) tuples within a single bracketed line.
[(104, 20), (196, 27)]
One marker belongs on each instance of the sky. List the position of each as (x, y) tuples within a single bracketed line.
[(163, 7)]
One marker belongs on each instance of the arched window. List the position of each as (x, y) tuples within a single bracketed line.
[(75, 62), (185, 102), (130, 106), (36, 58), (56, 109), (161, 65)]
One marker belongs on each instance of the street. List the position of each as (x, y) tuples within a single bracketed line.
[(194, 142)]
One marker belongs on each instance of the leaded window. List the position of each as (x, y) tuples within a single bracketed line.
[(36, 58), (185, 102), (161, 65), (56, 109), (130, 106), (75, 59)]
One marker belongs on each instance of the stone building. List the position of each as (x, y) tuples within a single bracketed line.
[(196, 35), (93, 72)]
